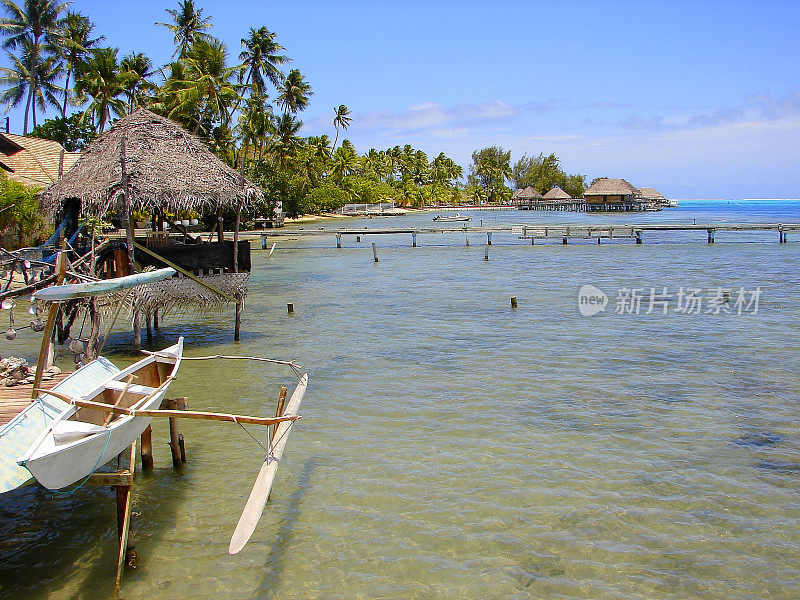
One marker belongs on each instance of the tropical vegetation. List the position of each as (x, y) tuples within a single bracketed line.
[(244, 106)]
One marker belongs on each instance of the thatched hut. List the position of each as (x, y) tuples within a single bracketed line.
[(526, 196), (148, 162), (653, 197), (612, 194), (556, 194)]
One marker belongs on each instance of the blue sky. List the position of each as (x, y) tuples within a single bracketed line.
[(697, 99)]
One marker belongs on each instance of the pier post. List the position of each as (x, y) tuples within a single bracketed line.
[(290, 308), (338, 240), (513, 302), (175, 439), (781, 236), (486, 253), (489, 238), (147, 448), (638, 237), (710, 236), (237, 325), (374, 252), (467, 240), (414, 239), (564, 240)]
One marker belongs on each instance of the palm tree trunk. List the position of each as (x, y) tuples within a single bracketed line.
[(66, 94)]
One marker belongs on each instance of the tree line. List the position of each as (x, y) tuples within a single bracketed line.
[(246, 110)]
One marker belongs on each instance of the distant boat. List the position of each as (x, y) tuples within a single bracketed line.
[(454, 217), (76, 443), (672, 203)]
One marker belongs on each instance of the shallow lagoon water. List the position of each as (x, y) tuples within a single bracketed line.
[(454, 447)]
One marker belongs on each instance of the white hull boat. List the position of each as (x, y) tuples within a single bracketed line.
[(455, 217), (80, 439)]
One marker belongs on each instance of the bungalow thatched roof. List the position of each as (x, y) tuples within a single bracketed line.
[(651, 194), (33, 161), (529, 192), (611, 187), (167, 168), (556, 193)]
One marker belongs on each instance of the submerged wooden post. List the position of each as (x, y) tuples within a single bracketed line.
[(414, 239), (175, 438), (489, 238), (486, 252), (638, 237), (710, 236), (147, 448), (290, 308), (338, 240), (127, 552), (237, 325), (375, 251), (513, 302)]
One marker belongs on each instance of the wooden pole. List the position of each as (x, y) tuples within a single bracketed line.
[(375, 251), (124, 503), (61, 268), (147, 448), (278, 409)]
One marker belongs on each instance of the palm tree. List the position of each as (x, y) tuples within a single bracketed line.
[(75, 43), (201, 85), (260, 59), (285, 142), (139, 68), (294, 92), (35, 29), (341, 118), (101, 79), (188, 26)]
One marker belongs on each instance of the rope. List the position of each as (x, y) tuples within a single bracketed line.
[(85, 479), (251, 435)]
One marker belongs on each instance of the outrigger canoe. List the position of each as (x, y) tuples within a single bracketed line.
[(82, 438)]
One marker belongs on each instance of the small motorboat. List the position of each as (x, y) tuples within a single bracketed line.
[(453, 217)]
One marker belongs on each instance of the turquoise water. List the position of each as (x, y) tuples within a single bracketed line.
[(454, 447)]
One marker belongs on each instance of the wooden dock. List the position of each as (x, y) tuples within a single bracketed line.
[(634, 232), (14, 399)]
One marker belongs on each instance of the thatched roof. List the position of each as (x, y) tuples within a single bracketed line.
[(611, 187), (556, 193), (528, 192), (33, 161), (651, 194), (167, 168)]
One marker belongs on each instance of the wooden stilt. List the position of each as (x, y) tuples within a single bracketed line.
[(237, 326), (127, 553), (149, 326), (137, 333), (147, 448), (156, 324), (175, 439)]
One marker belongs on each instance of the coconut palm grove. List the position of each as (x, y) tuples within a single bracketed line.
[(244, 103)]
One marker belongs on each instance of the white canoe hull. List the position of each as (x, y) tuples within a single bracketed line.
[(56, 464)]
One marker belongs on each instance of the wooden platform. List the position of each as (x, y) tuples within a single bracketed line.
[(14, 399)]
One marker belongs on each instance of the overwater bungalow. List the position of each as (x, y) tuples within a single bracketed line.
[(654, 198), (149, 163), (525, 198), (613, 195)]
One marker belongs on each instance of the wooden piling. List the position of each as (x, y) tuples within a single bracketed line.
[(375, 251), (338, 240), (175, 439), (710, 235), (638, 237), (413, 239), (156, 324), (489, 238), (147, 448), (237, 325), (486, 252), (513, 302), (290, 308)]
